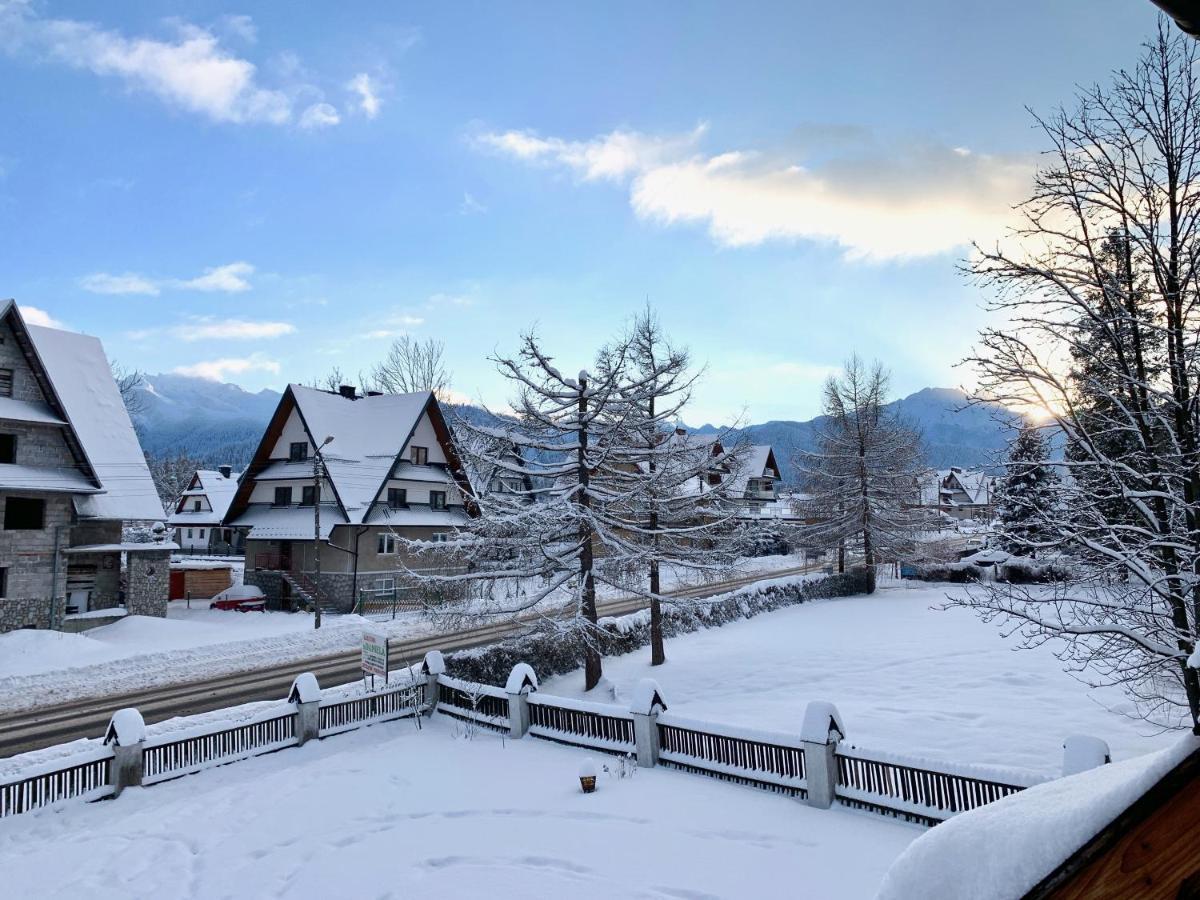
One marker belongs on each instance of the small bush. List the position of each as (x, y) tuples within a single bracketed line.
[(954, 573)]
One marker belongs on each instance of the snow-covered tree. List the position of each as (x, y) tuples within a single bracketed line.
[(171, 475), (410, 366), (662, 510), (1027, 496), (862, 478), (1112, 351)]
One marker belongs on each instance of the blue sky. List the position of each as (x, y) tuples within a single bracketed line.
[(261, 192)]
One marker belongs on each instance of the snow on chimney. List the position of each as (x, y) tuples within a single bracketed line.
[(226, 471), (348, 391)]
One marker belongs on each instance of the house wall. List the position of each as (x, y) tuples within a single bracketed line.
[(293, 432), (30, 560), (148, 583), (25, 386), (425, 436), (418, 491)]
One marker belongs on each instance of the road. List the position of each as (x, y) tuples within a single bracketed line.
[(36, 728)]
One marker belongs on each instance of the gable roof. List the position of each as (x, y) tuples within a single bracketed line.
[(369, 434), (755, 460), (213, 486), (82, 394)]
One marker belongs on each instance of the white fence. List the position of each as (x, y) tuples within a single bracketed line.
[(816, 764)]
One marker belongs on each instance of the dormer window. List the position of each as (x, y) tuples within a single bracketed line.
[(298, 451), (418, 456), (283, 496)]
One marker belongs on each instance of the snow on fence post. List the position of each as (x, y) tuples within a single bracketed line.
[(306, 695), (126, 733), (433, 666), (647, 702), (521, 682), (1082, 752), (819, 736)]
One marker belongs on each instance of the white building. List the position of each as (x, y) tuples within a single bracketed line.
[(199, 514)]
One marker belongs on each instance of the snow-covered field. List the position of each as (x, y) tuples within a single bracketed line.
[(905, 677), (389, 812)]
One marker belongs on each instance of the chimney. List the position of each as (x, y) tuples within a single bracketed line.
[(226, 471), (348, 391), (681, 431)]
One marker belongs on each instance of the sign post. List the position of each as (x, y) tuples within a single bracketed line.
[(374, 656)]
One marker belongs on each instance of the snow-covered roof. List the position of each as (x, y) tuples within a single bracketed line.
[(1002, 850), (37, 478), (218, 489), (368, 433), (128, 547), (13, 410), (751, 463), (192, 518), (416, 516), (81, 377), (288, 523)]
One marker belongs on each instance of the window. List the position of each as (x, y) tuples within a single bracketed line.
[(283, 496), (298, 452), (419, 456), (3, 581), (441, 537), (202, 534), (385, 584), (437, 499), (308, 495), (397, 498), (189, 532), (6, 382), (195, 506), (387, 544), (24, 514), (8, 448)]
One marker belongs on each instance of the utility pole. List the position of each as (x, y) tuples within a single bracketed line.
[(318, 465)]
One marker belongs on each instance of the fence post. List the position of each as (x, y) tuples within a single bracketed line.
[(1082, 752), (127, 733), (433, 666), (306, 695), (521, 682), (819, 736), (646, 704)]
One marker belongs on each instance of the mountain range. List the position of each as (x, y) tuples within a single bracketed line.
[(217, 423)]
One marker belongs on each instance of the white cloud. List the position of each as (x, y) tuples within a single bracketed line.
[(231, 329), (221, 369), (451, 300), (188, 71), (128, 283), (611, 157), (897, 201), (34, 315), (368, 95), (319, 115), (230, 278), (470, 206)]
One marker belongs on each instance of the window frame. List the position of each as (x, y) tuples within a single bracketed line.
[(418, 455), (282, 491), (437, 504), (11, 440), (403, 502), (7, 377), (384, 541), (298, 451), (308, 495), (3, 582)]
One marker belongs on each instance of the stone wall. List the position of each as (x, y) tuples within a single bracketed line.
[(148, 583), (29, 558)]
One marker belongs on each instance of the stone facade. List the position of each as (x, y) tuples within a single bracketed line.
[(148, 583), (31, 565)]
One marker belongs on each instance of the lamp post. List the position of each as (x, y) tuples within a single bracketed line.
[(318, 464)]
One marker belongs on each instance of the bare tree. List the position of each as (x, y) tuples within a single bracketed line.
[(130, 383), (862, 477), (171, 475), (410, 366), (1097, 291)]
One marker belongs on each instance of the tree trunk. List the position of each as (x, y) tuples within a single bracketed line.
[(841, 557), (592, 670), (658, 654)]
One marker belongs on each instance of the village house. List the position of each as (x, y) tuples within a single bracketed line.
[(960, 493), (71, 474), (200, 513), (364, 470)]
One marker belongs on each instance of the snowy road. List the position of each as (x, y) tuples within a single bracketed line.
[(388, 812)]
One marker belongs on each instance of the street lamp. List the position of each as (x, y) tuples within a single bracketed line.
[(318, 464)]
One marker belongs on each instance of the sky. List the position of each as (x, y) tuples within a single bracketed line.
[(257, 193)]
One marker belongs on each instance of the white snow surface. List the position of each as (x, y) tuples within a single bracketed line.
[(905, 677), (1002, 850), (391, 812)]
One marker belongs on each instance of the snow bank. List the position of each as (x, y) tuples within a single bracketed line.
[(961, 859)]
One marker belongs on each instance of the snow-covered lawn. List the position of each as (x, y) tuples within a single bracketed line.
[(905, 677), (389, 812)]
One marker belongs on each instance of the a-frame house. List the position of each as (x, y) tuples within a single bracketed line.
[(391, 470)]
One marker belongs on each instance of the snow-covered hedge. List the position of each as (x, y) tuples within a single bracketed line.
[(956, 573), (553, 654), (1027, 571)]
